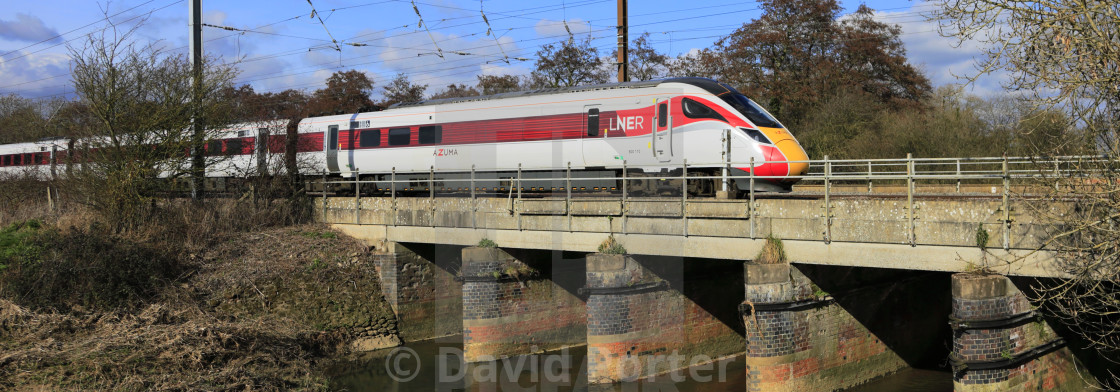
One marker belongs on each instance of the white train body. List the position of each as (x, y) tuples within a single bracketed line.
[(648, 125), (30, 160)]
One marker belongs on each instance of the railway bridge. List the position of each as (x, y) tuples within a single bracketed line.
[(866, 268)]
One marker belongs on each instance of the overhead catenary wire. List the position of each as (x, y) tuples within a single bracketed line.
[(482, 59)]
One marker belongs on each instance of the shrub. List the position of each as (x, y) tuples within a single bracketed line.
[(47, 269), (611, 246), (981, 237), (487, 243)]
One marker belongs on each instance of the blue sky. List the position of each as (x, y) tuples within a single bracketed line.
[(286, 48)]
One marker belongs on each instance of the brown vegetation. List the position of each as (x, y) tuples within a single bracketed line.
[(214, 296)]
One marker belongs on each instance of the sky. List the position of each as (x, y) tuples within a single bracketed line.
[(280, 44)]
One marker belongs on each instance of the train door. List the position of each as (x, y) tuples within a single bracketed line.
[(330, 147), (662, 134), (594, 149)]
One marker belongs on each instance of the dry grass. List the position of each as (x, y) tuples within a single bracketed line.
[(773, 252), (220, 295)]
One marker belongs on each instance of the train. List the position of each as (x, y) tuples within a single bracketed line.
[(651, 129)]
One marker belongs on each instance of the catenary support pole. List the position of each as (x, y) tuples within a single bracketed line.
[(198, 162), (623, 42)]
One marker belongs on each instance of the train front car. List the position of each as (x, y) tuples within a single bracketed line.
[(779, 158)]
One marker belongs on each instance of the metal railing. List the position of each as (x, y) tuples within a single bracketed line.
[(999, 172)]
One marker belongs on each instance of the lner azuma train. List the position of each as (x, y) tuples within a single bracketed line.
[(652, 126)]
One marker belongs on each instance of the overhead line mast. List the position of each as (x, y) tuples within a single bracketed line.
[(198, 163), (623, 42)]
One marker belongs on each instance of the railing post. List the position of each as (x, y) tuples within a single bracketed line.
[(474, 211), (910, 196), (869, 174), (518, 195), (357, 199), (1006, 204), (751, 208), (432, 195), (726, 160), (684, 197), (1057, 173), (324, 196), (393, 193), (827, 201), (958, 176), (568, 199), (625, 184)]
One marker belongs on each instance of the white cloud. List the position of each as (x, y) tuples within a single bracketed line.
[(33, 75), (942, 59)]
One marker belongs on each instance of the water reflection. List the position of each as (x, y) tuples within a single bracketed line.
[(437, 366)]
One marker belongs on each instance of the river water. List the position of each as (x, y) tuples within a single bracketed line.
[(435, 365)]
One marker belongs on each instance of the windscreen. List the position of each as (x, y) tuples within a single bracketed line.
[(751, 110)]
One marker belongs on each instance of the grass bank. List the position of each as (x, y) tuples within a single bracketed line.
[(217, 296)]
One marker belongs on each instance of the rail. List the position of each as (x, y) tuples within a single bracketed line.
[(956, 173)]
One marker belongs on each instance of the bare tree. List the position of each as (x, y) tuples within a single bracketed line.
[(567, 64), (496, 84), (401, 90), (1064, 58), (645, 62), (139, 102), (456, 91), (346, 92)]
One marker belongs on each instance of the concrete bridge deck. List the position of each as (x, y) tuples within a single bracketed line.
[(923, 234)]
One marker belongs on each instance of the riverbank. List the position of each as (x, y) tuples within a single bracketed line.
[(252, 309)]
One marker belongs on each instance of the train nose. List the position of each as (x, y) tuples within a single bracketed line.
[(791, 149), (798, 164)]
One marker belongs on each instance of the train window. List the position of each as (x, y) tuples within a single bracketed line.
[(214, 147), (431, 134), (399, 136), (370, 138), (233, 147), (593, 122), (4, 160), (662, 115), (751, 110), (694, 109), (332, 141)]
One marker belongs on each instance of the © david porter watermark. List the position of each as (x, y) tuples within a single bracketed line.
[(560, 368)]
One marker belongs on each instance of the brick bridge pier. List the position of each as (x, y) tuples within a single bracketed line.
[(842, 311)]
